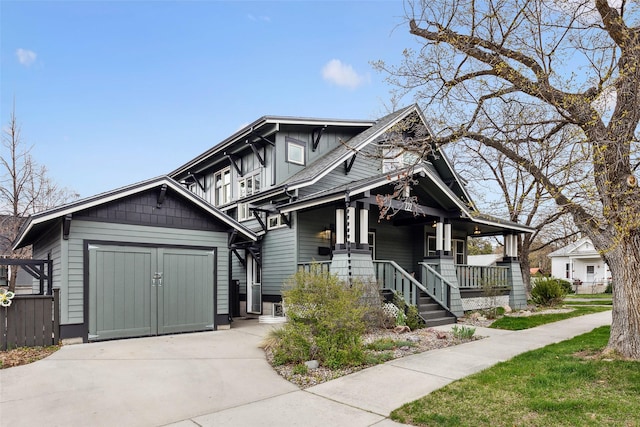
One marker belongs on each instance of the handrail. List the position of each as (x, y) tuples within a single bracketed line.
[(325, 266), (473, 276), (441, 289), (410, 295)]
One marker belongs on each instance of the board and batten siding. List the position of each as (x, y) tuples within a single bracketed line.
[(134, 234), (393, 243)]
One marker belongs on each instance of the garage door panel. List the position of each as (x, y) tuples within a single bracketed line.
[(187, 291), (120, 292)]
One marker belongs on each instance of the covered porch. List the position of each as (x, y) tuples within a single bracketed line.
[(420, 251)]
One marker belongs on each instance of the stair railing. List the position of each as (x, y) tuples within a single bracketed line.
[(437, 286), (392, 276)]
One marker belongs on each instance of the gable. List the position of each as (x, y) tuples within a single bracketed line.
[(143, 209)]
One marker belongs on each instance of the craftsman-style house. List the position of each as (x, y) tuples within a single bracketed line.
[(220, 235)]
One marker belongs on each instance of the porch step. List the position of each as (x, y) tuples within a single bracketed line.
[(432, 313)]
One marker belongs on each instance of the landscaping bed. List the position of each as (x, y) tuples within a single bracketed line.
[(382, 345), (25, 355)]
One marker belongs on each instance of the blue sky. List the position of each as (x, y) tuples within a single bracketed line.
[(109, 93)]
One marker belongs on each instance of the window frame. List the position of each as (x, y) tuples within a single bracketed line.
[(279, 222), (249, 178), (289, 142), (223, 187), (242, 209)]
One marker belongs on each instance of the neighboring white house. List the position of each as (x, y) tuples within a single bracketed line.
[(582, 265)]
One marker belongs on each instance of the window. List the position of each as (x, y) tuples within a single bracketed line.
[(430, 248), (371, 239), (248, 185), (567, 270), (458, 250), (243, 212), (295, 151), (395, 158), (275, 221), (222, 183)]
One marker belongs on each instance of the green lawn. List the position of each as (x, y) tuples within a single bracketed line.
[(564, 384), (519, 323), (593, 302), (588, 296)]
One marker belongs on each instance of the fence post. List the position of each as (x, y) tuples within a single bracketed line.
[(56, 316)]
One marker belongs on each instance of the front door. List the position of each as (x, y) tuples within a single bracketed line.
[(140, 291), (254, 286), (591, 274)]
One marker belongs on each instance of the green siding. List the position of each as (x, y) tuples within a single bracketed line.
[(310, 233), (89, 230), (279, 259)]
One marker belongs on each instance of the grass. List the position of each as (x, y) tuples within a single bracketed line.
[(594, 302), (564, 384), (588, 296), (519, 323)]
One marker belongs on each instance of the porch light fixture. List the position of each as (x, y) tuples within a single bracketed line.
[(476, 230), (434, 225)]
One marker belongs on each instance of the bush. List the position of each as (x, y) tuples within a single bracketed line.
[(462, 332), (548, 291), (565, 285), (326, 320), (609, 288), (409, 314)]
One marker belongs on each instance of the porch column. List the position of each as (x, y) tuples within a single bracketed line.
[(511, 245), (351, 224), (364, 226), (439, 237), (447, 237), (339, 228)]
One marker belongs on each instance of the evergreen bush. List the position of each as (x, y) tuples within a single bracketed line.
[(548, 291)]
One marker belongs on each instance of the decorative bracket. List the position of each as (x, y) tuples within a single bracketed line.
[(162, 195), (66, 227), (316, 133), (348, 164), (233, 160)]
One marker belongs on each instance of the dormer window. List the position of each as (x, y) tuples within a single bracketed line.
[(295, 151)]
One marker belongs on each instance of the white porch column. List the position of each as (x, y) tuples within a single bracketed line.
[(364, 226), (439, 232), (339, 226), (351, 224), (447, 237), (514, 245)]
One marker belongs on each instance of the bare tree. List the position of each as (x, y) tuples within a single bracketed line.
[(25, 188), (577, 61)]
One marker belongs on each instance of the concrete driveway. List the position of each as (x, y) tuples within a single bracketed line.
[(141, 382)]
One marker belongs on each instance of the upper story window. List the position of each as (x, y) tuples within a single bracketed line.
[(394, 158), (222, 186), (243, 212), (249, 184), (295, 151), (275, 221)]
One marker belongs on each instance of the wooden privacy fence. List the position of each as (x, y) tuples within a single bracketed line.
[(30, 320)]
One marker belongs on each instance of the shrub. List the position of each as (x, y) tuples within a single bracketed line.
[(609, 288), (414, 321), (326, 320), (565, 285), (462, 332), (547, 292), (409, 314)]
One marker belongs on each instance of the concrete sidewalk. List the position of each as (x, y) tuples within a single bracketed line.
[(367, 397), (222, 378)]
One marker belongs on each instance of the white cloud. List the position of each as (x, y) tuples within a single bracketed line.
[(344, 75), (259, 18), (26, 57)]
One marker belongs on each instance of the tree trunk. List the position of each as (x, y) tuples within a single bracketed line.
[(624, 262)]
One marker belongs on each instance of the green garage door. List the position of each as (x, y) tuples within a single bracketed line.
[(139, 291)]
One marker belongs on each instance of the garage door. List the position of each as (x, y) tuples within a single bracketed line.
[(140, 291)]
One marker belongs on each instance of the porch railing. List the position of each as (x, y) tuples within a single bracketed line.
[(438, 287), (323, 266), (476, 277)]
